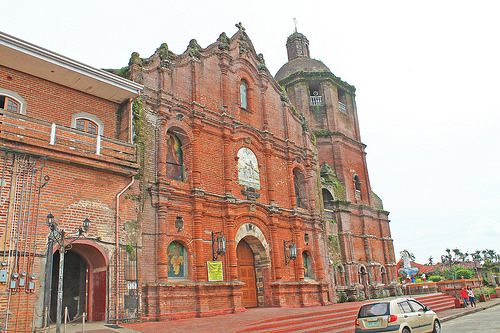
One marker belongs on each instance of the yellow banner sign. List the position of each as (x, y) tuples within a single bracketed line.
[(215, 271)]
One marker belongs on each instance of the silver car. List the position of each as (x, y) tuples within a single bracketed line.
[(402, 315)]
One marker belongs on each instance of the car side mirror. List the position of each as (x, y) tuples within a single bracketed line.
[(427, 309)]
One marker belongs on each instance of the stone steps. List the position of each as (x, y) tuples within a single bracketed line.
[(338, 318)]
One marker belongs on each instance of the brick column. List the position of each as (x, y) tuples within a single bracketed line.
[(162, 242), (196, 154), (299, 262), (199, 260), (162, 150), (275, 248), (291, 185), (231, 249), (320, 268), (310, 186), (269, 173), (228, 161)]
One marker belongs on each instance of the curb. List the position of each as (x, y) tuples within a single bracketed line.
[(461, 314)]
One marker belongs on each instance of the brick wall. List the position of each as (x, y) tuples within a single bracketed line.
[(198, 99), (69, 182)]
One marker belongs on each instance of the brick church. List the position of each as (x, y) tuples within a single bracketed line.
[(255, 188), (211, 186)]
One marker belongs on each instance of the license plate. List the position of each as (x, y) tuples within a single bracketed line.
[(372, 324)]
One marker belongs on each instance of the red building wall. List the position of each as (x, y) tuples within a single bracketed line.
[(196, 95), (64, 173)]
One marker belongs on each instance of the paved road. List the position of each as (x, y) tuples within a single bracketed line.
[(485, 321)]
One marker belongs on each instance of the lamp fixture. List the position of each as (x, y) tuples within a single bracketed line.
[(59, 236), (290, 251), (218, 245)]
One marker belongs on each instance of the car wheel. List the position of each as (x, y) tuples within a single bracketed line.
[(405, 330), (437, 327)]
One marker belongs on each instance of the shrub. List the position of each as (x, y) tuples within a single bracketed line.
[(434, 278), (466, 273)]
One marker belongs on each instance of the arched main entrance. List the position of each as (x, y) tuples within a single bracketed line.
[(84, 282), (253, 253), (246, 274)]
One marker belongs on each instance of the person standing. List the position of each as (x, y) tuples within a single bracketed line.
[(465, 297), (472, 297)]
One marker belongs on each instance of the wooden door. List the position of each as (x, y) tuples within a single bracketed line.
[(99, 296), (246, 272)]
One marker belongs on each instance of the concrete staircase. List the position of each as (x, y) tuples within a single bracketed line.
[(335, 318), (437, 302)]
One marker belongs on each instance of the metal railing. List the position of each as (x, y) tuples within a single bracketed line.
[(342, 107), (316, 100), (32, 131)]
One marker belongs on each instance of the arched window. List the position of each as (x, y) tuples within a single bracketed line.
[(363, 276), (357, 187), (357, 183), (243, 94), (177, 261), (86, 125), (175, 169), (10, 104), (340, 273), (383, 273), (327, 197), (299, 185)]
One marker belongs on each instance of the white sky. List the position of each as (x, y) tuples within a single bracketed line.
[(426, 75)]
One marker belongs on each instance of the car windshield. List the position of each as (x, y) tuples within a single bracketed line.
[(372, 310)]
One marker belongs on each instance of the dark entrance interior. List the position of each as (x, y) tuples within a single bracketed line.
[(74, 285)]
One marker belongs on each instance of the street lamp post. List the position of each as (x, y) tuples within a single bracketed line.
[(476, 258), (447, 258), (59, 236)]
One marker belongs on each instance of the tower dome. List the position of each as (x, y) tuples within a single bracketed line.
[(297, 47)]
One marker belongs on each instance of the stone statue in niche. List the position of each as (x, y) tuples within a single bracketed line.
[(175, 254), (248, 169)]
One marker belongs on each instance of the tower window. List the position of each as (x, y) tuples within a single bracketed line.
[(327, 197), (357, 183), (342, 100), (315, 95)]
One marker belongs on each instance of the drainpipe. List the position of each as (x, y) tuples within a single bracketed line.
[(117, 241)]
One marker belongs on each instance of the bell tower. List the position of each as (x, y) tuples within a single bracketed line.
[(366, 254)]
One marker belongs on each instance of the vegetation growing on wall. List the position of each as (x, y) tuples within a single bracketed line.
[(124, 72), (328, 178), (333, 243), (138, 120), (318, 75)]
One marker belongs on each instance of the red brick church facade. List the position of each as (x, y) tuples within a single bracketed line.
[(249, 194), (226, 153), (220, 188)]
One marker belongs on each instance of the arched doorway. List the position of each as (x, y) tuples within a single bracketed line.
[(246, 274), (84, 282), (74, 285)]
